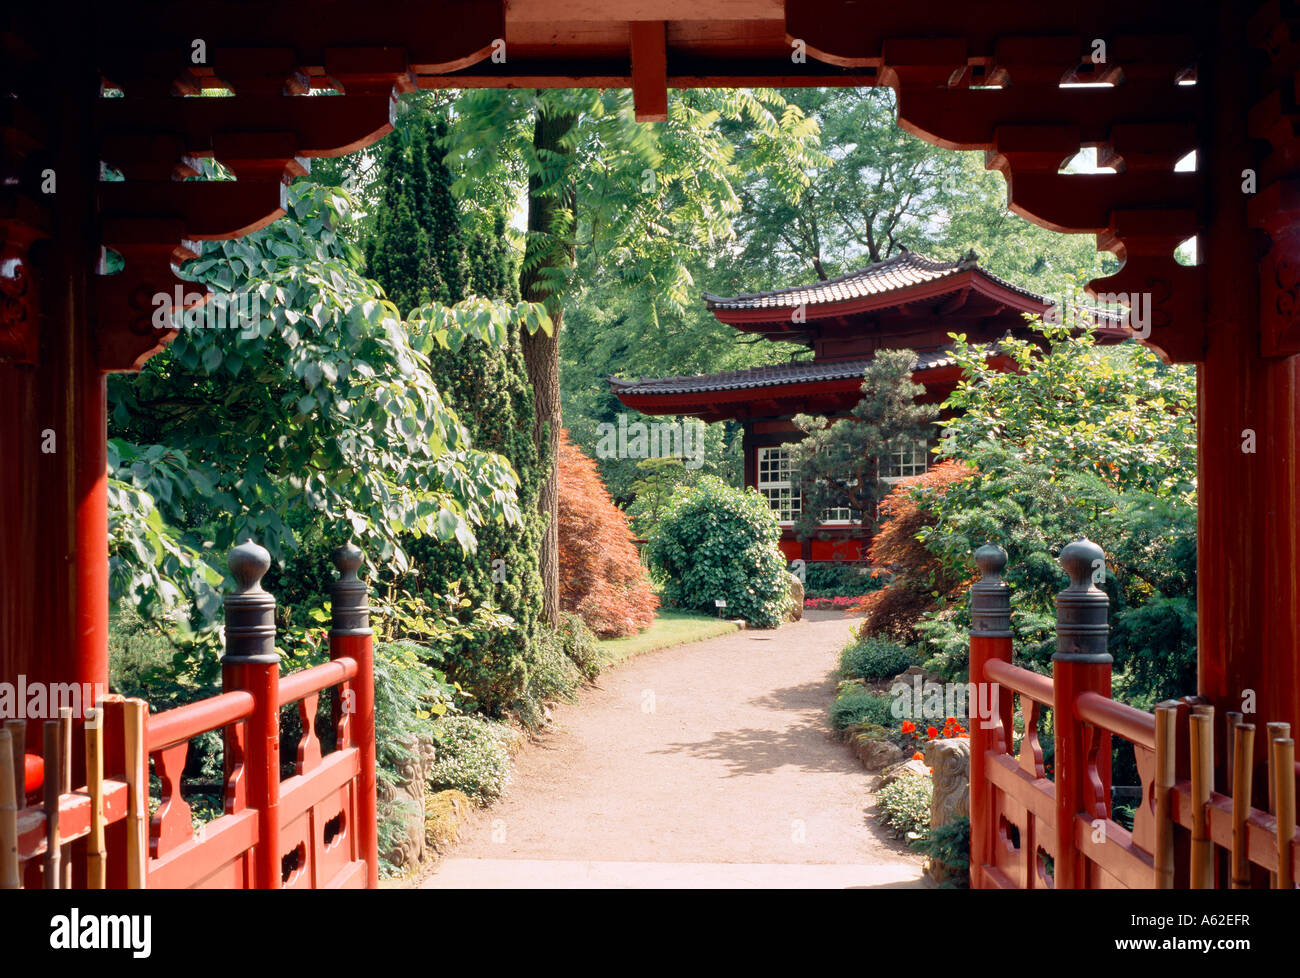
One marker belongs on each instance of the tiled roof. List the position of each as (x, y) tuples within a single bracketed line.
[(791, 373), (904, 270)]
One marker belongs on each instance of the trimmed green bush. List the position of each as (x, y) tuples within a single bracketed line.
[(905, 806), (719, 542), (875, 658), (856, 705), (472, 756)]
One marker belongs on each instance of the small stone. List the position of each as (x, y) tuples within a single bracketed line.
[(903, 769)]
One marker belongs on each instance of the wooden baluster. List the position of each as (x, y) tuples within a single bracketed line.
[(96, 867), (1081, 664), (1273, 731), (9, 878), (1243, 747), (53, 778), (309, 754), (1283, 751), (134, 724), (173, 822), (251, 663), (236, 797), (1229, 742), (990, 638), (1166, 772), (1202, 745)]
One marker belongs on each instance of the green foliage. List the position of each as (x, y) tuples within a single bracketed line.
[(716, 541), (473, 756), (878, 188), (320, 404), (580, 645), (1116, 412), (949, 845), (839, 578), (416, 251), (905, 806), (874, 659), (424, 250), (1089, 442), (839, 462), (854, 705)]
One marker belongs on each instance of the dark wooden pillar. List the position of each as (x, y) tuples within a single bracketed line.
[(53, 502), (1249, 433)]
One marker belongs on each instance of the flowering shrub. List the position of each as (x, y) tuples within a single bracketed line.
[(472, 756), (719, 542), (602, 579), (844, 602), (905, 806)]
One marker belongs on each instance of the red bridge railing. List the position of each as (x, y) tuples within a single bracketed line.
[(1034, 828), (314, 829)]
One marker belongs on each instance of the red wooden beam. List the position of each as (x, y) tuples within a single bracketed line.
[(649, 70)]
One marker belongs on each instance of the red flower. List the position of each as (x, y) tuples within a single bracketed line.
[(931, 732), (918, 756), (908, 727)]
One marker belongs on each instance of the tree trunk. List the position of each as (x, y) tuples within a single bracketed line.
[(549, 247)]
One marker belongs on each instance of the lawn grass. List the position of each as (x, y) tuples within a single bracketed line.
[(670, 628)]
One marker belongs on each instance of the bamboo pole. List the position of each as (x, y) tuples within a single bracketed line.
[(1275, 731), (1284, 809), (18, 734), (9, 878), (53, 756), (1166, 772), (65, 783), (96, 876), (137, 804), (1202, 749), (1243, 748), (1229, 750)]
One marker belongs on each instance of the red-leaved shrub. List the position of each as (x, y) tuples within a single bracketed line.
[(916, 574), (602, 579)]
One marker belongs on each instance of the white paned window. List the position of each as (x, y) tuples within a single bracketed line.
[(913, 460), (776, 482)]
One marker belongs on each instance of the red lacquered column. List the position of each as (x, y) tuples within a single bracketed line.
[(990, 638), (350, 636), (251, 663), (1081, 664)]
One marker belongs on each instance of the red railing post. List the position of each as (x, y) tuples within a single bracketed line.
[(990, 638), (1080, 664), (350, 635), (252, 664)]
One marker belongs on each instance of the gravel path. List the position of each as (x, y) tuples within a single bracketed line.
[(705, 765)]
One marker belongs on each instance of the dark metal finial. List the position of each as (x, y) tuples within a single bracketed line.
[(1082, 609), (250, 611), (990, 598), (347, 560), (349, 607), (249, 563)]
